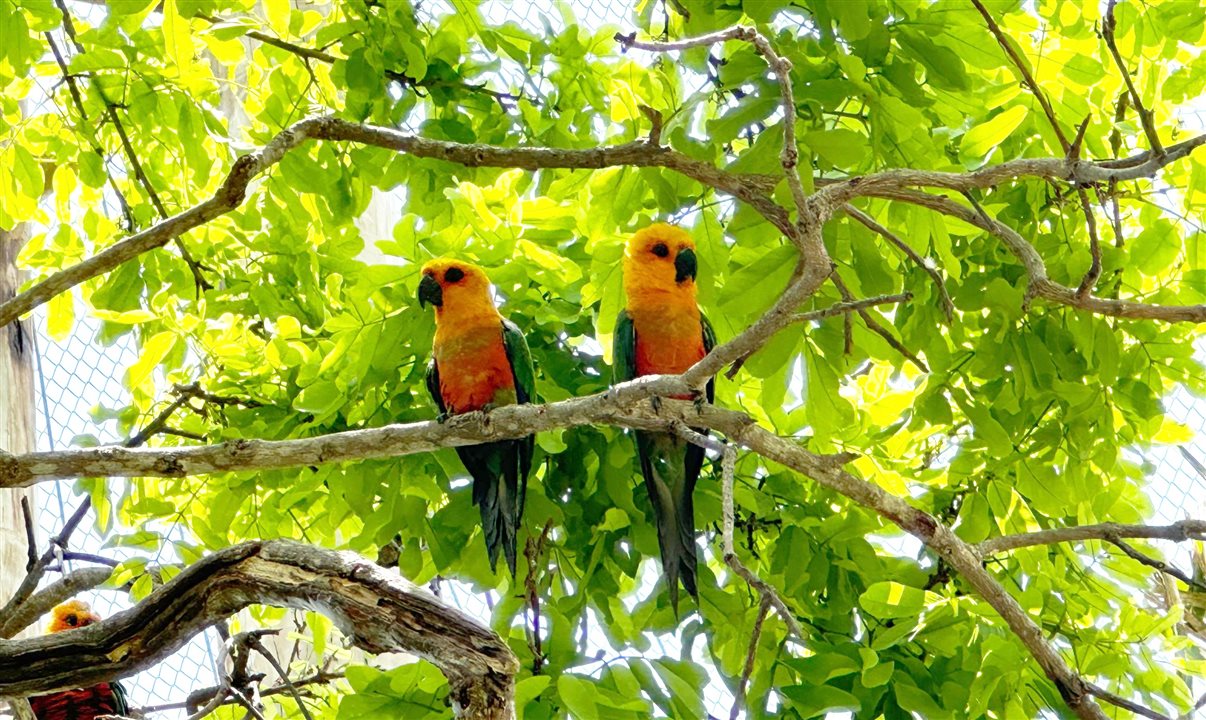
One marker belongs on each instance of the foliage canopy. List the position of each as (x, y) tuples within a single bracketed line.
[(1016, 415)]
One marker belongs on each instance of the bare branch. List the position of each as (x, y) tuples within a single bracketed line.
[(844, 308), (1156, 564), (1027, 78), (1125, 704), (1040, 284), (1177, 532), (380, 611), (728, 459), (1094, 272), (875, 326), (1108, 26), (948, 306), (755, 635), (751, 189)]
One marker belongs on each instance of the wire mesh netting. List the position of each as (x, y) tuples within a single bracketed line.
[(76, 377)]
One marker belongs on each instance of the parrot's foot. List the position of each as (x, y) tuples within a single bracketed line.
[(656, 402), (443, 417), (699, 397)]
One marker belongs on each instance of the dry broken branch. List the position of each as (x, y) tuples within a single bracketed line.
[(379, 611)]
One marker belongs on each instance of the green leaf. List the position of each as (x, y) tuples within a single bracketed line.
[(980, 140)]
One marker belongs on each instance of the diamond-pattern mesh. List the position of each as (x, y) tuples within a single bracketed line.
[(76, 376)]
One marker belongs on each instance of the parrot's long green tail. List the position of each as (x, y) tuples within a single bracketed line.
[(496, 492), (670, 472)]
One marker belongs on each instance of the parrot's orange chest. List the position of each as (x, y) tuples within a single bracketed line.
[(668, 339), (474, 368)]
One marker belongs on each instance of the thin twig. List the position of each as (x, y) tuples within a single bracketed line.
[(728, 464), (1027, 78), (1108, 26), (57, 544), (948, 306), (258, 646), (31, 537), (111, 110), (874, 325), (1156, 564), (739, 696), (1123, 703), (126, 213), (1177, 532), (845, 308), (321, 677), (1094, 272), (790, 154)]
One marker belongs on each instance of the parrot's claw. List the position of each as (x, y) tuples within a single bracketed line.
[(699, 397), (443, 417), (656, 402)]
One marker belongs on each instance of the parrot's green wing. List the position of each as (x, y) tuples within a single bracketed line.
[(623, 349), (433, 386), (709, 342), (525, 392)]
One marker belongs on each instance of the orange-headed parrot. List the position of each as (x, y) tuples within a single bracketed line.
[(662, 331), (81, 703), (479, 361)]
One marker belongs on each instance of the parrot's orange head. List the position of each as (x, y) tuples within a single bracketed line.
[(455, 284), (71, 615), (660, 260)]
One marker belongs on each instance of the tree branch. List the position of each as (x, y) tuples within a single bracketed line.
[(1145, 116), (1177, 532), (749, 188), (111, 110), (948, 306), (381, 612), (1026, 77), (1036, 269), (1159, 565)]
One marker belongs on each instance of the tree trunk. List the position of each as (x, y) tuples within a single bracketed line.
[(16, 415)]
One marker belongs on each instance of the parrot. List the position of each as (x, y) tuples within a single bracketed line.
[(661, 330), (480, 361), (81, 703)]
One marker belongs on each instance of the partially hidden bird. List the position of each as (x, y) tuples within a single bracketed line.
[(82, 703), (662, 331), (480, 360)]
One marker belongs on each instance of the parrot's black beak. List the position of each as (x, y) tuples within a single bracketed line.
[(685, 265), (430, 292)]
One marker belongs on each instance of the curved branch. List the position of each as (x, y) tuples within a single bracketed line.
[(749, 188), (1040, 284), (381, 612)]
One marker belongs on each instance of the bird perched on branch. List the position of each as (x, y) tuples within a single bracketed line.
[(81, 703), (480, 361), (662, 331)]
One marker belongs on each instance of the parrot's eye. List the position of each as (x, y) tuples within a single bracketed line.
[(71, 620), (454, 275), (661, 250)]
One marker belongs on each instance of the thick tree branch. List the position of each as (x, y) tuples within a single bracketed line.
[(749, 188), (618, 405), (380, 612), (1177, 532)]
